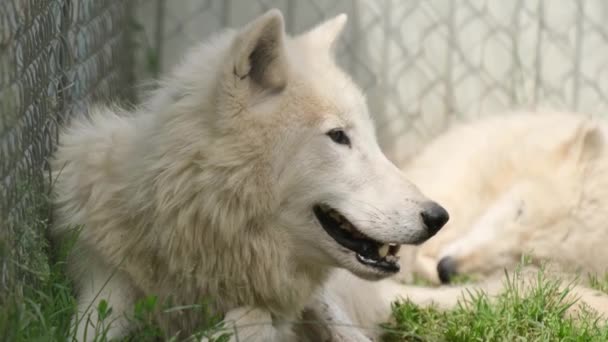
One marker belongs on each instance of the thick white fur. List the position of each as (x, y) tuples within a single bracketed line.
[(206, 190), (520, 183)]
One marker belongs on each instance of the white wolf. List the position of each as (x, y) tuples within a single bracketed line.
[(246, 178), (526, 183)]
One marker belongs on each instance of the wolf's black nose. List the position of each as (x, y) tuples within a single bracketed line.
[(446, 269), (434, 217)]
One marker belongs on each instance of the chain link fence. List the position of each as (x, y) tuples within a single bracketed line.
[(55, 56), (423, 64)]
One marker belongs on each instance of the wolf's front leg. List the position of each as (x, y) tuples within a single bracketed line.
[(253, 325), (102, 283), (328, 318)]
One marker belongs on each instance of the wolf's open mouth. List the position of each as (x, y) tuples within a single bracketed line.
[(369, 252)]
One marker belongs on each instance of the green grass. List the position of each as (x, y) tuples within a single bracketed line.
[(536, 315), (598, 282), (44, 314), (40, 310)]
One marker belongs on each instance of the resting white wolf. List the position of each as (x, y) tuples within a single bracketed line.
[(521, 183), (233, 183)]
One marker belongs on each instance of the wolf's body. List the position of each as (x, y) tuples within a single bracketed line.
[(249, 176)]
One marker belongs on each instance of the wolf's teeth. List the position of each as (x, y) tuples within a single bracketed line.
[(383, 251), (391, 258)]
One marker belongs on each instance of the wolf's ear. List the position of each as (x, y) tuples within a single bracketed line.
[(324, 35), (259, 52), (587, 143), (592, 142)]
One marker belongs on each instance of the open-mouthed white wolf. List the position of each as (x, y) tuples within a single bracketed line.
[(247, 178)]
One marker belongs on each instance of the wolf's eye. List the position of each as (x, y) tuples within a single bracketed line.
[(339, 136)]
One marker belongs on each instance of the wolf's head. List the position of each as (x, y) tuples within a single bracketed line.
[(292, 142), (552, 214)]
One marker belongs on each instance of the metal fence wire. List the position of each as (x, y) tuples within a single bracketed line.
[(55, 56), (423, 65)]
